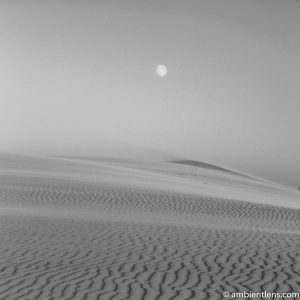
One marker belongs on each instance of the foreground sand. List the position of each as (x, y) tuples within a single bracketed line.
[(76, 229)]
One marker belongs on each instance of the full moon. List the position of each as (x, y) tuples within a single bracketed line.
[(161, 70)]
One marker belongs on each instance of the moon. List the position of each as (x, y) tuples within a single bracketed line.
[(161, 70)]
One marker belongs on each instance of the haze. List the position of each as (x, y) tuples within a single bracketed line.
[(78, 78)]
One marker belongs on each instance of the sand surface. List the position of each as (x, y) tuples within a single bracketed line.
[(125, 229)]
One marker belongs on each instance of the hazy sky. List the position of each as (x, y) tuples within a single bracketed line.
[(79, 76)]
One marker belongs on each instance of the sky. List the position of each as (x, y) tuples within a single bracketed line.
[(78, 77)]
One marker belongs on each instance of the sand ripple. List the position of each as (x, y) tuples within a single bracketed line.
[(44, 258), (89, 240)]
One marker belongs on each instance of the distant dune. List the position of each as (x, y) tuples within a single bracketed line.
[(200, 164), (124, 229), (207, 166)]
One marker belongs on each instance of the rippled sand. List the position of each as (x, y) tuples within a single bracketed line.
[(103, 229)]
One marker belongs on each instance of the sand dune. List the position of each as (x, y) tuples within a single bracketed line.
[(76, 229)]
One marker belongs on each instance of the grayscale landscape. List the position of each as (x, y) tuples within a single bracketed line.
[(149, 149)]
